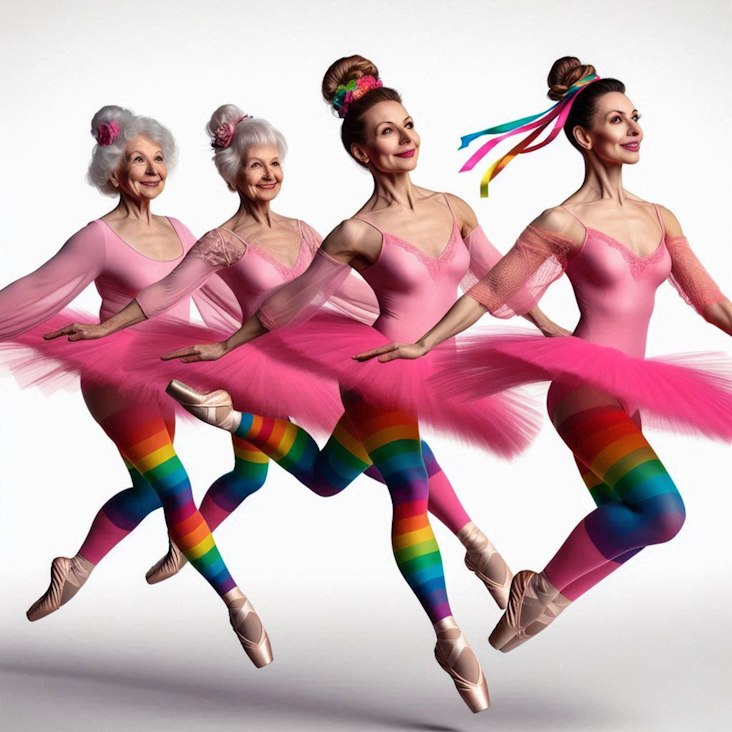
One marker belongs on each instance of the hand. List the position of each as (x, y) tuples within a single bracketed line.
[(191, 354), (552, 330), (393, 351), (79, 332)]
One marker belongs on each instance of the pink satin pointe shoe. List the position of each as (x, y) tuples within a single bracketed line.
[(216, 407), (483, 559), (68, 576), (557, 606), (451, 651), (168, 566), (530, 594), (250, 631)]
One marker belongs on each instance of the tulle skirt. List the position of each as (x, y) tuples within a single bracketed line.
[(688, 393), (290, 373), (129, 361)]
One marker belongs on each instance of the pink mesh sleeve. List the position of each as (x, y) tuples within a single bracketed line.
[(299, 299), (355, 298), (29, 301), (212, 252), (218, 305), (517, 282), (689, 277), (483, 257)]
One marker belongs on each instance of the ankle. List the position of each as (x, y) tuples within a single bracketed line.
[(543, 588)]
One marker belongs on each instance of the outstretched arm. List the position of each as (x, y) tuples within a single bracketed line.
[(29, 301), (211, 253), (349, 243), (512, 287), (484, 256)]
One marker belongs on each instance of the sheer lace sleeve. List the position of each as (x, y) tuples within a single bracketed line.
[(212, 252), (299, 299), (689, 277), (29, 301), (518, 281), (483, 257)]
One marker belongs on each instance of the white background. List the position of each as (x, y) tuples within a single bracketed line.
[(646, 650)]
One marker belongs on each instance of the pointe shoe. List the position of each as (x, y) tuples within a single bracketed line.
[(216, 407), (168, 566), (483, 559), (68, 576), (447, 653), (530, 594), (558, 605), (260, 650)]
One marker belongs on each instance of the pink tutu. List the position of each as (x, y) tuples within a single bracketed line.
[(130, 362), (690, 393), (504, 424)]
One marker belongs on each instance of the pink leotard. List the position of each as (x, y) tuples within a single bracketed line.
[(97, 254), (413, 289), (615, 288)]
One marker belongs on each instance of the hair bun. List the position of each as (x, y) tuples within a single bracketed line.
[(564, 73), (220, 128), (342, 71)]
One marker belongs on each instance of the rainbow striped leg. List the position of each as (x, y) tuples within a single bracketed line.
[(640, 504), (228, 492), (119, 516), (392, 443), (142, 436)]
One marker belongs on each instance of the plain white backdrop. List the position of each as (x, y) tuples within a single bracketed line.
[(646, 650)]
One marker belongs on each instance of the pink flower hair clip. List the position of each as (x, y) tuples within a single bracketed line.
[(347, 94), (107, 133), (225, 134)]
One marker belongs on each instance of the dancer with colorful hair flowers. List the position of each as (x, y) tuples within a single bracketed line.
[(122, 252), (413, 283), (616, 250)]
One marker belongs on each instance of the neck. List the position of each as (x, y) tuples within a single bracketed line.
[(134, 208), (394, 188), (259, 211), (603, 181)]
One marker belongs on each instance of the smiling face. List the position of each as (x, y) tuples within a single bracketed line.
[(615, 136), (260, 175), (390, 144), (142, 171)]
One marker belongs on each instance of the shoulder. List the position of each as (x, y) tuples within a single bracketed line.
[(464, 213), (219, 248), (352, 236), (556, 220), (671, 225), (93, 234), (559, 228), (312, 238)]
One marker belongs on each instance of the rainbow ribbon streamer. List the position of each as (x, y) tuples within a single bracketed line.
[(535, 125)]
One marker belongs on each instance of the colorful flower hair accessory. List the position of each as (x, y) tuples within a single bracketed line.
[(352, 92), (225, 134), (557, 113), (107, 133)]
